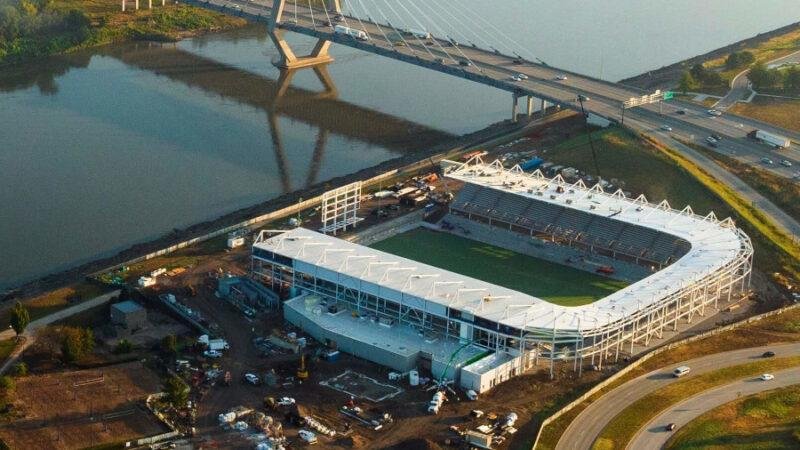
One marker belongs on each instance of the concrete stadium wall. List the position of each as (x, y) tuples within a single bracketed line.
[(537, 248), (349, 345), (389, 228), (625, 370)]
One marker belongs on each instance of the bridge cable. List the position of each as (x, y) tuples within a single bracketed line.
[(425, 29), (311, 11), (445, 33), (353, 11), (295, 12), (380, 29), (503, 35), (460, 25), (399, 33), (473, 25)]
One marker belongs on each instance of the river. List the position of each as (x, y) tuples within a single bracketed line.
[(117, 145)]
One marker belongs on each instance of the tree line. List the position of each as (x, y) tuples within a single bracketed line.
[(36, 27)]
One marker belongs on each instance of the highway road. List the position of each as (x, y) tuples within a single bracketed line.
[(583, 431), (495, 69), (654, 434)]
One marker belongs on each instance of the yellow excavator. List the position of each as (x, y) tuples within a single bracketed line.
[(302, 370)]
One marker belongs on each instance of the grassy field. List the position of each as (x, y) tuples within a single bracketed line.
[(773, 48), (555, 283), (625, 425), (52, 301), (762, 421), (624, 157), (6, 347), (777, 111)]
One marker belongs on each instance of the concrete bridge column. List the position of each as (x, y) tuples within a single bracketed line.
[(319, 55), (544, 107), (530, 106), (514, 104)]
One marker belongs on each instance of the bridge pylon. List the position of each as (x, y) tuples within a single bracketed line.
[(288, 59)]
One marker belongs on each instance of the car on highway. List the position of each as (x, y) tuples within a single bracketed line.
[(666, 128), (561, 77), (670, 427), (766, 377), (522, 76), (212, 354), (681, 111), (464, 63), (766, 160), (714, 113), (711, 139), (338, 18), (439, 60), (768, 354), (514, 78), (786, 163), (517, 61), (717, 137)]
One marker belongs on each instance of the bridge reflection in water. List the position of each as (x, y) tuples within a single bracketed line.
[(322, 110)]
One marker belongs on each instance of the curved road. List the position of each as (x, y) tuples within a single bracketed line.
[(653, 435), (582, 432), (740, 85)]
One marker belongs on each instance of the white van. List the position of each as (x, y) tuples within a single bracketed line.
[(681, 371)]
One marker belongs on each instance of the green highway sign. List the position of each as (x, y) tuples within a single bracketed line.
[(668, 95)]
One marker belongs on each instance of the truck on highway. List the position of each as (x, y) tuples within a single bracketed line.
[(770, 139), (419, 34), (352, 32)]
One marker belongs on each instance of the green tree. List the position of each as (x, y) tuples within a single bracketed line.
[(762, 78), (7, 383), (791, 80), (177, 391), (739, 59), (20, 318), (687, 82), (76, 343), (169, 344), (124, 346)]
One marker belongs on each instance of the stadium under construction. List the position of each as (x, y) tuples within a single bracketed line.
[(406, 315)]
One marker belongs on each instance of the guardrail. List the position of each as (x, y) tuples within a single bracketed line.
[(656, 351)]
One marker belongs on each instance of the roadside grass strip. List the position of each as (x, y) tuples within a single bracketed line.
[(626, 424)]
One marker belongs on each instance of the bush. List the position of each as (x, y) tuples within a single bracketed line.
[(21, 369), (739, 59), (7, 383), (76, 343), (124, 346)]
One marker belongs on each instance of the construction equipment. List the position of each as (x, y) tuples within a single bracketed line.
[(302, 370)]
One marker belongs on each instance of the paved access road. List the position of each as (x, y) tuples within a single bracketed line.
[(740, 85), (654, 435), (582, 432)]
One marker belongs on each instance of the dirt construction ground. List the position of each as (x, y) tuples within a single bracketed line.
[(78, 409)]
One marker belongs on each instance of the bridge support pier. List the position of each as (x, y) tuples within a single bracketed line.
[(514, 107), (544, 107), (530, 106), (288, 60)]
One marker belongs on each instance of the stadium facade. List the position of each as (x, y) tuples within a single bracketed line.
[(405, 315)]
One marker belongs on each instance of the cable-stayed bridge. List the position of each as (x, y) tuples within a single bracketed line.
[(455, 40)]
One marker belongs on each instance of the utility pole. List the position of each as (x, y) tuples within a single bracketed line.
[(581, 99)]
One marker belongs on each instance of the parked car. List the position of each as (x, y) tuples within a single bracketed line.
[(766, 377), (786, 163), (212, 354), (252, 379), (768, 354)]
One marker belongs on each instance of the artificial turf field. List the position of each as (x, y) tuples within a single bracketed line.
[(555, 283)]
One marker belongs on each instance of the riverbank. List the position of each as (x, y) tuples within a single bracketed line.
[(61, 26), (667, 77)]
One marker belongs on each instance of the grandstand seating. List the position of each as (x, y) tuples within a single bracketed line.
[(570, 224)]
